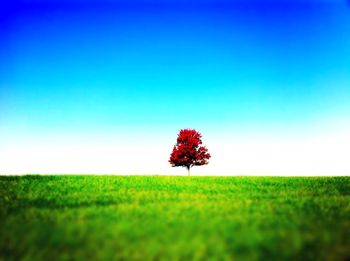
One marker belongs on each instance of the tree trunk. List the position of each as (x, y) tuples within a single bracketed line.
[(188, 170)]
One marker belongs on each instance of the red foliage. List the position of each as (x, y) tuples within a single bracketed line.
[(187, 152)]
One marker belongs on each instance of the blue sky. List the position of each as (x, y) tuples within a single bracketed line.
[(81, 73)]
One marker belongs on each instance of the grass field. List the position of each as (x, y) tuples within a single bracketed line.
[(154, 217)]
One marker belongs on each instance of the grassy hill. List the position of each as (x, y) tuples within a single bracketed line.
[(154, 217)]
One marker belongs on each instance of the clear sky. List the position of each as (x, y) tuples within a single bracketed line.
[(105, 86)]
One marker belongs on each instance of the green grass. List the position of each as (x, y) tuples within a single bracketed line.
[(174, 218)]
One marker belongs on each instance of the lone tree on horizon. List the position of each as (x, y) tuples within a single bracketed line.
[(188, 151)]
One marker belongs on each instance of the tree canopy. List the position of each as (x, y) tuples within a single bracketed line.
[(188, 150)]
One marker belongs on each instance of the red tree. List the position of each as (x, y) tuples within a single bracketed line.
[(187, 151)]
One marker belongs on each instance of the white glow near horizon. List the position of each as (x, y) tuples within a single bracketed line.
[(323, 154)]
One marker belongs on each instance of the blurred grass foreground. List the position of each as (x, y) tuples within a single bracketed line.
[(174, 218)]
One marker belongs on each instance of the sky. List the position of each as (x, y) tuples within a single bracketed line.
[(105, 86)]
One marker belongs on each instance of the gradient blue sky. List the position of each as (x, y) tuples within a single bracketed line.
[(81, 74)]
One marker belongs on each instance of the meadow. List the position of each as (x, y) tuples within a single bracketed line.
[(174, 218)]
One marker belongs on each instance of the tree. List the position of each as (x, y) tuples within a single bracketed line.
[(188, 151)]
